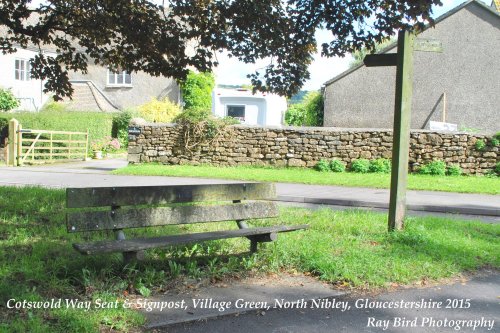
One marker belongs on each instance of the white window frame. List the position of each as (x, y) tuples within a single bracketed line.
[(115, 75), (22, 72), (237, 105)]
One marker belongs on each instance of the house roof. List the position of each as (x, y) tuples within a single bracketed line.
[(241, 92), (86, 96), (31, 20), (436, 21)]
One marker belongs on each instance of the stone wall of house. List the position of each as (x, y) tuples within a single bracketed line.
[(467, 71), (304, 147)]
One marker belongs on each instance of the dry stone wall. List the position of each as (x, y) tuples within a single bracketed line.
[(304, 147)]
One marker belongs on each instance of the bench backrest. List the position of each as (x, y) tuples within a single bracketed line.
[(113, 208)]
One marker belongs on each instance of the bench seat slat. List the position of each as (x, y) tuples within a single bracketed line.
[(139, 244), (159, 195), (148, 217)]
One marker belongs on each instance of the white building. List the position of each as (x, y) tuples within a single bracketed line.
[(262, 109), (15, 75)]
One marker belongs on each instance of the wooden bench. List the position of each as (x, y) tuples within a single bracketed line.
[(119, 208)]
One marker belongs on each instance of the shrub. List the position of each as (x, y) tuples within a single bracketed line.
[(495, 140), (307, 113), (197, 89), (380, 165), (193, 115), (4, 130), (53, 106), (454, 170), (106, 144), (159, 111), (120, 126), (295, 115), (322, 166), (362, 165), (480, 145), (314, 105), (437, 168), (497, 169), (98, 124), (199, 126), (337, 166), (7, 100)]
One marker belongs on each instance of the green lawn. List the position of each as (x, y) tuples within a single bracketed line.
[(464, 184), (348, 248)]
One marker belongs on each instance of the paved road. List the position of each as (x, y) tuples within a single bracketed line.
[(477, 303), (96, 173)]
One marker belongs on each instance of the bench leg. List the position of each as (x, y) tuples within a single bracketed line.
[(254, 240), (253, 245), (133, 256)]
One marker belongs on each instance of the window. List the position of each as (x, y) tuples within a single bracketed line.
[(119, 78), (22, 70), (236, 111)]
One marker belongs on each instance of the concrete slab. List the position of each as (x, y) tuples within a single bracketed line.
[(252, 294)]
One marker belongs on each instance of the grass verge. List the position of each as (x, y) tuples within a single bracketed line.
[(348, 248), (462, 184)]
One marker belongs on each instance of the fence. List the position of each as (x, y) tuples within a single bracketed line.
[(32, 146)]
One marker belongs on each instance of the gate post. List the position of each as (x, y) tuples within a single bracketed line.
[(13, 142), (19, 145)]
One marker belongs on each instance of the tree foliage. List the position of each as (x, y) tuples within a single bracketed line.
[(307, 113), (139, 35), (197, 90)]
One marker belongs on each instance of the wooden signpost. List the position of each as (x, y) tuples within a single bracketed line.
[(403, 60)]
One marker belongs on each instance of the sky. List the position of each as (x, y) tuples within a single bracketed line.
[(231, 71)]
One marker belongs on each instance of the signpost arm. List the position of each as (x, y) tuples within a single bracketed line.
[(401, 134)]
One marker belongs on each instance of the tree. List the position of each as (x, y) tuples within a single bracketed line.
[(138, 35), (197, 90)]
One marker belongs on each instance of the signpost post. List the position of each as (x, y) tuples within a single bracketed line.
[(403, 60)]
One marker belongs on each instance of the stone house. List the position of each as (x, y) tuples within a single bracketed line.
[(100, 89), (103, 89), (463, 80), (14, 75)]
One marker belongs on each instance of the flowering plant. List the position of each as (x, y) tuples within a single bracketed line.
[(105, 144)]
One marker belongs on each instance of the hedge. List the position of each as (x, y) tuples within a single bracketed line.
[(98, 124)]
